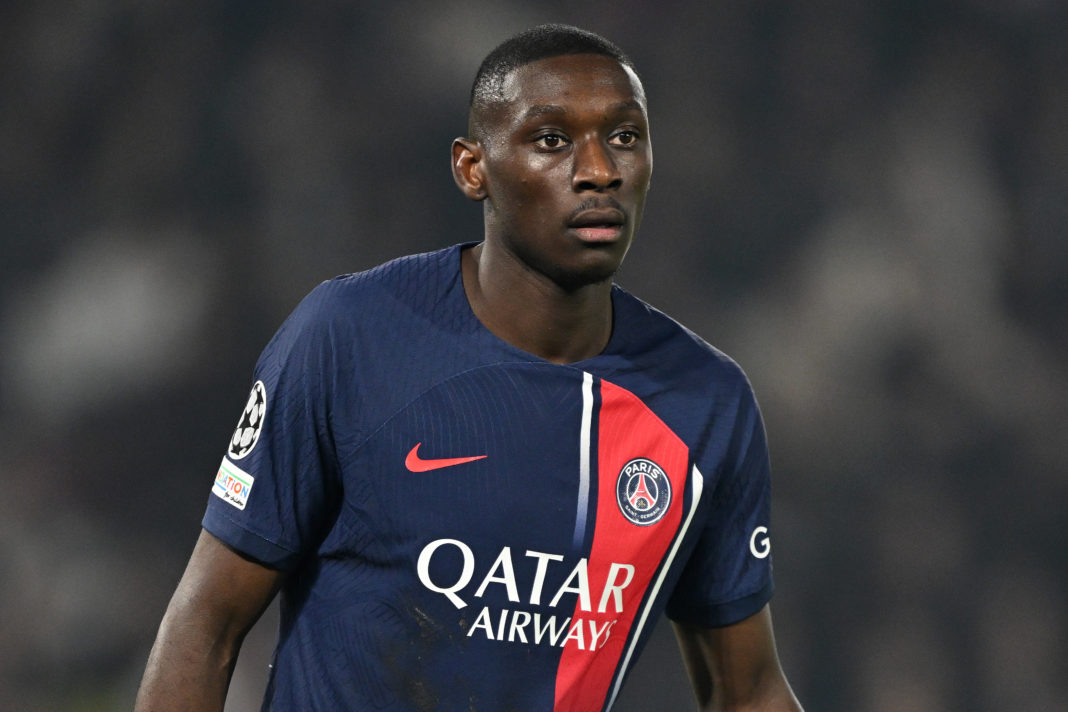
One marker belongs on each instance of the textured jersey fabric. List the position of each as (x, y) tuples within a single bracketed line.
[(469, 527)]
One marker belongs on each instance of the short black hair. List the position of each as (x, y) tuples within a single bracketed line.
[(541, 42)]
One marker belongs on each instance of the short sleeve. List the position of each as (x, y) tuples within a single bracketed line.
[(728, 577), (270, 499)]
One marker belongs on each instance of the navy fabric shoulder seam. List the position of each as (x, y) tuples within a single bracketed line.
[(376, 276), (713, 356)]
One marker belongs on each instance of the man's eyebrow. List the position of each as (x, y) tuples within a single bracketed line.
[(629, 105), (539, 110), (543, 110)]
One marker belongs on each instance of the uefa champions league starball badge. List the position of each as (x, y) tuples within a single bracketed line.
[(250, 423), (643, 492)]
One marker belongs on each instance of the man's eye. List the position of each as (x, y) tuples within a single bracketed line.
[(550, 141), (626, 138)]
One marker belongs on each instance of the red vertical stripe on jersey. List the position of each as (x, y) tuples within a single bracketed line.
[(627, 429)]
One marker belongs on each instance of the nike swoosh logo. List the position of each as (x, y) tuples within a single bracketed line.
[(414, 463)]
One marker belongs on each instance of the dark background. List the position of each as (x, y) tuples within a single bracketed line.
[(864, 203)]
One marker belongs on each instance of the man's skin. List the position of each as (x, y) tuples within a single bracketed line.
[(562, 165), (220, 597), (569, 144)]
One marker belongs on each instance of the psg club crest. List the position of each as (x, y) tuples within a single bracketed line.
[(643, 492), (250, 424)]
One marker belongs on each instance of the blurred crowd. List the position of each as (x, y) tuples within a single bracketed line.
[(864, 203)]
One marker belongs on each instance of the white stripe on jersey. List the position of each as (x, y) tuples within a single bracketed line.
[(584, 459), (698, 486)]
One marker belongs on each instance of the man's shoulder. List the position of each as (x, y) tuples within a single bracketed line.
[(414, 274), (416, 280), (352, 307), (687, 382), (655, 338)]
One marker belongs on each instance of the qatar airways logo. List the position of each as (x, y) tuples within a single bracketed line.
[(537, 628)]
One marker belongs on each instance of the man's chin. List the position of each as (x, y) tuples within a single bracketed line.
[(587, 276), (572, 270)]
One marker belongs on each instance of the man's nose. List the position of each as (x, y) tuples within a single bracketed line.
[(595, 168)]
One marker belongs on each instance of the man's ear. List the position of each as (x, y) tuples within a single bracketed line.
[(467, 169)]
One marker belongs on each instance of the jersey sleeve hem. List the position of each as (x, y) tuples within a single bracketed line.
[(248, 543), (722, 614)]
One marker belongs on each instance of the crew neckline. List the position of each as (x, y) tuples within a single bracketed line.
[(614, 340)]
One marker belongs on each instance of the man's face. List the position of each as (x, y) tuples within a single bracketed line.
[(567, 161)]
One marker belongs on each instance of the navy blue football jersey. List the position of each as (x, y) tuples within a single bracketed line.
[(467, 526)]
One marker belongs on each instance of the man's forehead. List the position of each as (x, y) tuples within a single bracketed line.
[(552, 81)]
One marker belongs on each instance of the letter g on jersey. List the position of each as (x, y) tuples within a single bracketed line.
[(760, 543)]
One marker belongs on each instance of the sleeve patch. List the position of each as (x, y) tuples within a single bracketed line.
[(232, 484)]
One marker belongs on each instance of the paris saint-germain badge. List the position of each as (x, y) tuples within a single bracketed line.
[(643, 491)]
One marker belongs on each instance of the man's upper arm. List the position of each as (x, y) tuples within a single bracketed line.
[(221, 583), (220, 597), (736, 667)]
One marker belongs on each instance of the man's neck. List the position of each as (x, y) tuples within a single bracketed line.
[(530, 312)]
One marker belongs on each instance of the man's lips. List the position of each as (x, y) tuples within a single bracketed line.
[(598, 224), (598, 217)]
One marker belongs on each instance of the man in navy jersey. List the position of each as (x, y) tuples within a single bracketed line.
[(477, 476)]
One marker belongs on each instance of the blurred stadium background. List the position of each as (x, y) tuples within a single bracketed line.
[(865, 203)]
